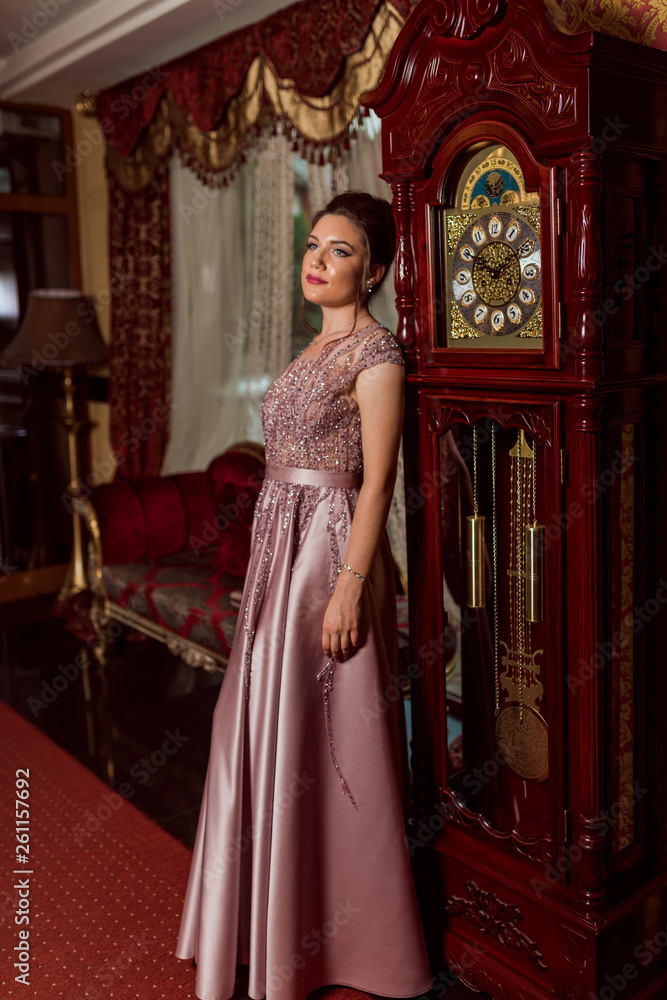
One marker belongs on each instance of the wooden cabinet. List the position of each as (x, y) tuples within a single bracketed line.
[(528, 172)]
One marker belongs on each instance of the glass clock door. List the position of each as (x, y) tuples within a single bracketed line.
[(489, 274)]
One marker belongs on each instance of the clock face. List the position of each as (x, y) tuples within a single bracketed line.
[(496, 274), (489, 269)]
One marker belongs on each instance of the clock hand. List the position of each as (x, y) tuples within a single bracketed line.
[(493, 271)]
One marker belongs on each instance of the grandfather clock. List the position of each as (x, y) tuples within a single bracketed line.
[(528, 173)]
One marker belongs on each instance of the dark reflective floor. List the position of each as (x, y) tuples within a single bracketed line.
[(142, 724)]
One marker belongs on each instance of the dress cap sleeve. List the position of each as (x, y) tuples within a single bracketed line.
[(378, 348)]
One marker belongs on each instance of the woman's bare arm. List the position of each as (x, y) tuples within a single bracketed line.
[(380, 395)]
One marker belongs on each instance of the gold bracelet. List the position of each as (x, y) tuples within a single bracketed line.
[(354, 572)]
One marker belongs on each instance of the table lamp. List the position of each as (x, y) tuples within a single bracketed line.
[(59, 332)]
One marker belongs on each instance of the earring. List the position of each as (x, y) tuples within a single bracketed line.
[(369, 287)]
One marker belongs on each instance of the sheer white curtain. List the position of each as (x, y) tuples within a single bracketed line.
[(212, 255), (270, 322), (232, 293)]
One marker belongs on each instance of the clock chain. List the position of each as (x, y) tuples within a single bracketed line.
[(513, 556), (474, 470), (519, 574), (494, 543)]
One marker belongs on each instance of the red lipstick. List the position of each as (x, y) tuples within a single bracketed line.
[(311, 279)]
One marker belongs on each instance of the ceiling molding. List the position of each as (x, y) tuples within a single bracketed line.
[(102, 43)]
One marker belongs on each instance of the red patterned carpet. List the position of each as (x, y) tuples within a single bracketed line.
[(100, 888)]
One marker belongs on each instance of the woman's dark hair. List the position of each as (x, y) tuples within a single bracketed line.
[(374, 220)]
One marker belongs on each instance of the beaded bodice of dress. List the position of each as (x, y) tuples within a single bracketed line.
[(310, 420)]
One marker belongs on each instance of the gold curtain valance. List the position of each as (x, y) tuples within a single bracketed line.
[(264, 97)]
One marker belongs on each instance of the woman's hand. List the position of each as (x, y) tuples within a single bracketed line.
[(342, 619)]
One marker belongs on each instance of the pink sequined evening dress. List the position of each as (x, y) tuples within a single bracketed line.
[(300, 868)]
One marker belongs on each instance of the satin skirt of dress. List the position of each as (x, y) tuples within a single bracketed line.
[(299, 870)]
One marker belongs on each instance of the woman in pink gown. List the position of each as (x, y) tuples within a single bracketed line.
[(300, 868)]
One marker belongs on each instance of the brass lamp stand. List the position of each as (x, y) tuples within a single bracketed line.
[(75, 578), (60, 333)]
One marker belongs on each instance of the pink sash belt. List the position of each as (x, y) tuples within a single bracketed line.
[(314, 477)]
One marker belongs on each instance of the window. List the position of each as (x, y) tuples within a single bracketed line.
[(38, 215)]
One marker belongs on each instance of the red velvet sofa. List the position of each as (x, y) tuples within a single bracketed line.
[(166, 552)]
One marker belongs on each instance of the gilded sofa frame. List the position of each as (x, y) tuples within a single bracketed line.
[(103, 610)]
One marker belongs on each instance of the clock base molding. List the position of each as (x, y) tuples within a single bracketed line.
[(509, 941), (498, 984), (491, 981)]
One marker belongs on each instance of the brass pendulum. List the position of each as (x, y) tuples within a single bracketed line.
[(521, 729)]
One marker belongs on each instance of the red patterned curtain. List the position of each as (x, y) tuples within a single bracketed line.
[(140, 347), (305, 67)]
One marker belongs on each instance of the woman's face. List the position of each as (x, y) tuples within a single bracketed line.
[(333, 264)]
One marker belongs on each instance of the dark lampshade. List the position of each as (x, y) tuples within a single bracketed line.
[(59, 330)]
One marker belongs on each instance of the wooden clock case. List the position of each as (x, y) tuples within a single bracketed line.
[(553, 886)]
